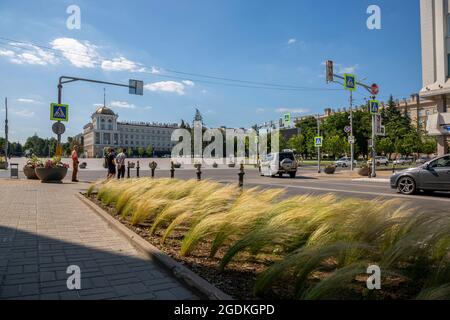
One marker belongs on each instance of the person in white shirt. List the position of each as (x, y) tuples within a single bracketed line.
[(120, 160)]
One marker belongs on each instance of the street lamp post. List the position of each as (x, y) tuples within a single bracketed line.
[(135, 87)]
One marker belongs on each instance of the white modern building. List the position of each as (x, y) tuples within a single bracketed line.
[(105, 131), (435, 30)]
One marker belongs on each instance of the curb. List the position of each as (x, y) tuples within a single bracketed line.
[(181, 272), (375, 180)]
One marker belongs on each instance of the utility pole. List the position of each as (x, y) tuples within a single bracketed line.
[(318, 148), (6, 132)]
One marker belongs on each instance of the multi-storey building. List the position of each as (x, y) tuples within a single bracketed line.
[(105, 131), (435, 31)]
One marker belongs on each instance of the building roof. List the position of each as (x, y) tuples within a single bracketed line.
[(105, 111)]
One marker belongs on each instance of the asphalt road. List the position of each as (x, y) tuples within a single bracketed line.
[(305, 183)]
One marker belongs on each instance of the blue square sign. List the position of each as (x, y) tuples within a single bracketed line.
[(374, 107), (59, 112)]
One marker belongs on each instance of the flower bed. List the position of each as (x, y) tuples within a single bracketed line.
[(259, 243)]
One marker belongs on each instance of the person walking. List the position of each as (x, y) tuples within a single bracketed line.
[(111, 163), (75, 163), (120, 160)]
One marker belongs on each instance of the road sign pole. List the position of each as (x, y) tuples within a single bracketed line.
[(319, 170), (6, 132), (374, 163), (352, 142)]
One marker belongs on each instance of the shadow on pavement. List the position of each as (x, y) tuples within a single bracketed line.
[(34, 267)]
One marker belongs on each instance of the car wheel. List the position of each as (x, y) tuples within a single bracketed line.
[(280, 175), (293, 175), (406, 185)]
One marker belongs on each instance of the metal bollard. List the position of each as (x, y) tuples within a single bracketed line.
[(241, 176), (199, 172), (137, 169), (172, 171), (128, 170)]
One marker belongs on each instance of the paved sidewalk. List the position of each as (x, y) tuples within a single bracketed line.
[(44, 229)]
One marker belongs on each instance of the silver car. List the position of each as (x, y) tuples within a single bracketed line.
[(431, 176)]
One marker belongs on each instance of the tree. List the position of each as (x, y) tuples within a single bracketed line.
[(429, 145), (335, 145), (149, 151), (308, 129), (297, 143), (386, 145), (141, 151)]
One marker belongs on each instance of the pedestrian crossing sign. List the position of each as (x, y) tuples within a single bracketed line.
[(374, 107), (318, 141), (350, 82), (59, 112)]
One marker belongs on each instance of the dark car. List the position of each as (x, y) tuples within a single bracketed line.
[(431, 176)]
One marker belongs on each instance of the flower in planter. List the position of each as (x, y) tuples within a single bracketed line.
[(55, 162), (34, 162)]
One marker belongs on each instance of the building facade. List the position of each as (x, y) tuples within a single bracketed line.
[(106, 131), (435, 32)]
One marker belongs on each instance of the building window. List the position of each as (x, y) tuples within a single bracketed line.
[(448, 65), (448, 25), (97, 138)]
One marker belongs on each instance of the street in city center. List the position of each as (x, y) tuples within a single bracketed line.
[(225, 159)]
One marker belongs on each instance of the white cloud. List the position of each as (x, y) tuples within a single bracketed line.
[(189, 83), (7, 53), (29, 54), (122, 105), (122, 64), (155, 70), (292, 41), (260, 110), (148, 108), (288, 110), (29, 101), (25, 113), (167, 86), (81, 54)]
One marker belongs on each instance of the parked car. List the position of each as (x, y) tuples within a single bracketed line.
[(345, 162), (278, 164), (379, 160), (403, 161), (423, 160), (431, 176)]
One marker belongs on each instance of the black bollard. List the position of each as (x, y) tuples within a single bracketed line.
[(199, 172), (241, 176), (137, 169), (172, 171), (128, 170)]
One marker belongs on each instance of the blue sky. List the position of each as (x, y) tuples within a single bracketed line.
[(282, 42)]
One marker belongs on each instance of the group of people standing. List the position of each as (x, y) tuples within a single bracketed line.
[(114, 161)]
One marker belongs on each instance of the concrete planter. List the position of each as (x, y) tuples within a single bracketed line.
[(51, 174), (330, 170), (364, 172), (30, 173)]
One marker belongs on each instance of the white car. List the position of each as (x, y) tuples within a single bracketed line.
[(345, 162), (380, 161), (403, 161), (280, 163)]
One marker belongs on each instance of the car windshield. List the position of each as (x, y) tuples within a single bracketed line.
[(286, 155)]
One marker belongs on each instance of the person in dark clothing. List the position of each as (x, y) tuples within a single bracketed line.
[(111, 163)]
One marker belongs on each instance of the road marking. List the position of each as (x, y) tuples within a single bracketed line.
[(390, 195)]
